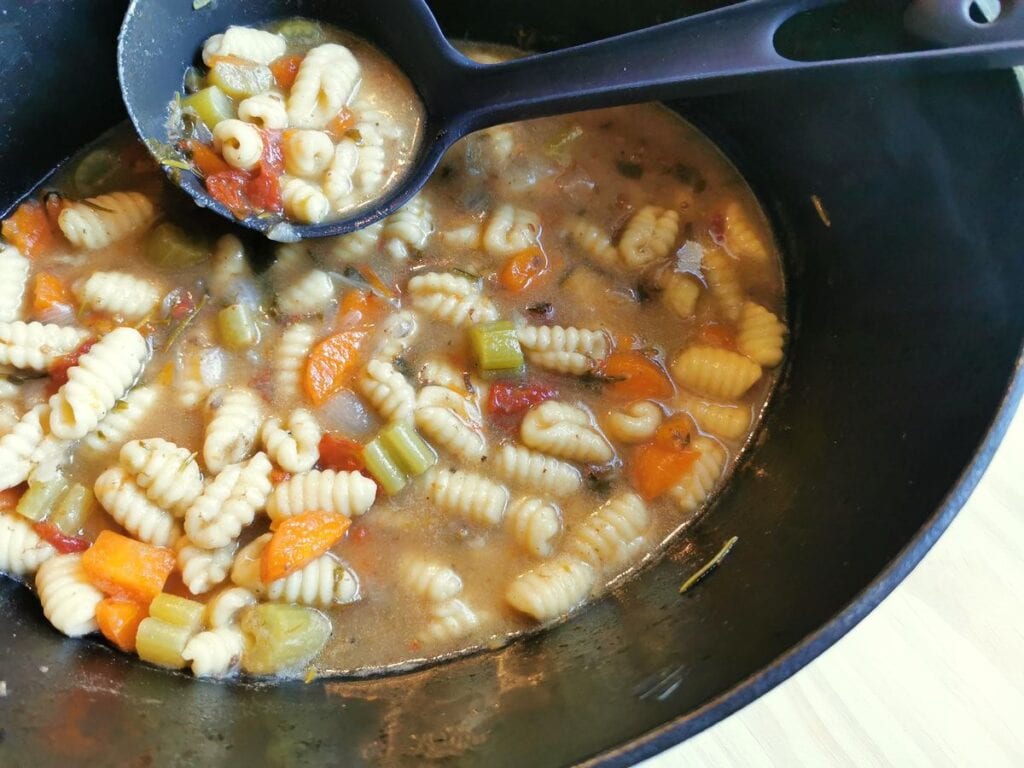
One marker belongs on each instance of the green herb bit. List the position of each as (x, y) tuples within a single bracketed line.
[(629, 169), (410, 451), (496, 346), (173, 338), (383, 468), (709, 566)]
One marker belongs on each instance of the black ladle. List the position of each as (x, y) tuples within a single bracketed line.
[(710, 52)]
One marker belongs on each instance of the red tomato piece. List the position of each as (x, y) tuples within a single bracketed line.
[(59, 540), (510, 399), (228, 188), (341, 454)]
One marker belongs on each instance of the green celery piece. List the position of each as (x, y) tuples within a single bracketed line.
[(99, 171), (237, 327), (238, 80), (40, 498), (281, 637), (171, 247), (407, 448), (496, 346), (161, 643), (177, 611), (210, 104), (73, 509), (383, 468)]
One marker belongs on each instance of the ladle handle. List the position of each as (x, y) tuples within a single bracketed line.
[(714, 51)]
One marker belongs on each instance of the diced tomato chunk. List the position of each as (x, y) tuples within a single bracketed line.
[(59, 369), (228, 188), (59, 540), (510, 399), (28, 229), (10, 497), (341, 454), (285, 69)]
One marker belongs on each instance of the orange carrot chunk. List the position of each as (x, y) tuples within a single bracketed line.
[(9, 497), (127, 568), (284, 70), (523, 268), (119, 621), (655, 468), (340, 123), (635, 376), (329, 364), (365, 303), (717, 335), (299, 540), (28, 229), (48, 291), (205, 159)]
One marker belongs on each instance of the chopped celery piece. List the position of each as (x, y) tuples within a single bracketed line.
[(98, 172), (177, 611), (281, 637), (407, 448), (503, 374), (238, 79), (39, 499), (301, 33), (211, 105), (496, 346), (161, 643), (383, 468), (171, 247), (237, 327), (73, 509)]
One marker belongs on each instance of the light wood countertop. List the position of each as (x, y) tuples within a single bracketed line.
[(933, 677)]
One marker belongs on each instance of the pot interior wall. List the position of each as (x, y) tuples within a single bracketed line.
[(905, 337)]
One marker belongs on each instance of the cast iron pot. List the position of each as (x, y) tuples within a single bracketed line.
[(901, 379)]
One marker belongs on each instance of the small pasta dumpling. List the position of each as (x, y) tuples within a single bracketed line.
[(355, 247), (612, 537), (14, 268), (234, 415), (69, 600), (452, 299), (680, 292), (429, 580), (294, 446), (701, 479), (124, 419), (565, 431), (102, 377), (518, 465), (730, 422), (307, 153), (118, 293), (224, 608), (388, 391), (565, 350), (36, 346), (449, 621), (443, 373), (743, 234), (451, 422), (327, 79), (534, 523), (214, 652), (128, 504), (168, 473), (468, 495), (369, 174), (99, 221), (397, 332), (649, 236), (19, 445), (720, 273), (552, 589), (635, 423), (309, 293), (22, 551), (761, 335), (407, 231), (304, 201), (289, 360), (229, 503), (231, 280), (200, 370), (239, 143), (264, 110), (344, 493), (509, 230), (245, 43), (720, 374), (337, 182), (322, 582), (203, 569), (592, 241)]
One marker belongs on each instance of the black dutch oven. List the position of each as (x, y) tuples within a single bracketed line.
[(904, 302)]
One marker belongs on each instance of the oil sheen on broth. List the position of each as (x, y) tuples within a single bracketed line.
[(625, 222)]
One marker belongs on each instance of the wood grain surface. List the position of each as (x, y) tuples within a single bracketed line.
[(933, 677)]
